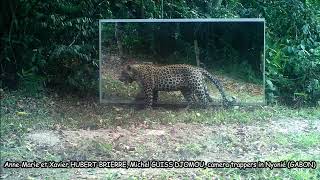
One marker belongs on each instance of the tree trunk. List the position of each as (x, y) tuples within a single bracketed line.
[(118, 35), (177, 31), (196, 50), (153, 39)]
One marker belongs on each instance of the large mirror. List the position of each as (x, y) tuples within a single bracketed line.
[(230, 49)]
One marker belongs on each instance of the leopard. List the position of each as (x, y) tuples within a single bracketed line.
[(187, 79)]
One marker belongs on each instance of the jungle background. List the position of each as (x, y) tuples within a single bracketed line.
[(49, 89)]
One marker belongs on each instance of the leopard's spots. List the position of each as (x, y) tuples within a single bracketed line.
[(179, 77)]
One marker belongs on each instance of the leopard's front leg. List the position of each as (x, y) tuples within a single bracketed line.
[(155, 96), (148, 91)]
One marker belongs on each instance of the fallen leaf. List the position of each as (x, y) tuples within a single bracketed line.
[(155, 132), (117, 109), (116, 136), (22, 113)]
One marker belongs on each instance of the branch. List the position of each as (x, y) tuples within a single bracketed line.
[(74, 40)]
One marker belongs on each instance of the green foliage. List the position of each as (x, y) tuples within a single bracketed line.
[(52, 43), (56, 42), (292, 58)]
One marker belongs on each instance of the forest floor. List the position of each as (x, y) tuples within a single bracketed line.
[(51, 127)]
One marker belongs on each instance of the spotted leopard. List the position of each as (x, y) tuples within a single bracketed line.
[(187, 79)]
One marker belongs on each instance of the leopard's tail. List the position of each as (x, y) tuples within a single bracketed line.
[(216, 82)]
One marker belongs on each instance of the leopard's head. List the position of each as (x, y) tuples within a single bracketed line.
[(127, 74)]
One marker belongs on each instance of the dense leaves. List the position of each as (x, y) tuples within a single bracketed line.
[(292, 59), (56, 42), (52, 43)]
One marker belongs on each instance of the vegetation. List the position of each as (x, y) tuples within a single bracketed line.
[(55, 128)]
